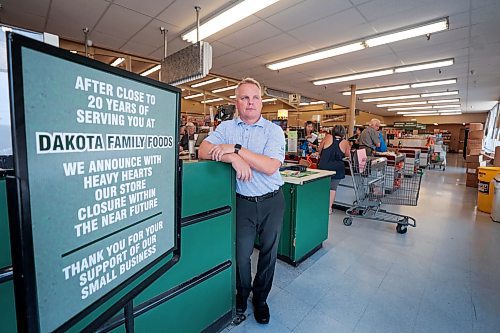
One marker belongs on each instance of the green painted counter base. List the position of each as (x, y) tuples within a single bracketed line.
[(305, 223)]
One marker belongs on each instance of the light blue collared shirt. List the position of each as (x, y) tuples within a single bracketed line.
[(263, 138)]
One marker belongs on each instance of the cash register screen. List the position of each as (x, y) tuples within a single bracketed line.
[(201, 137)]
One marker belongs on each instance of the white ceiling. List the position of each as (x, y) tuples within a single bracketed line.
[(291, 27)]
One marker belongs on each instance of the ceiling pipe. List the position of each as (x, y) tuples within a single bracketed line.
[(197, 8)]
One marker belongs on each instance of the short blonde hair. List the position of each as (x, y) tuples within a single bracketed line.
[(249, 80)]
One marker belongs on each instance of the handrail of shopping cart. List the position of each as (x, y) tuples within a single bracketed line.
[(376, 183)]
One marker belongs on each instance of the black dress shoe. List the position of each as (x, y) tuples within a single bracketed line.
[(261, 312), (241, 304)]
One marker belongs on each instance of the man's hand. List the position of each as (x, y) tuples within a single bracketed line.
[(218, 151), (242, 168)]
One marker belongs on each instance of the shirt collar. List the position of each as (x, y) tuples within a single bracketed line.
[(260, 122)]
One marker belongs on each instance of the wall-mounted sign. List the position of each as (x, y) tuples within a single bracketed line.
[(97, 178), (294, 99), (399, 124), (421, 126), (339, 118)]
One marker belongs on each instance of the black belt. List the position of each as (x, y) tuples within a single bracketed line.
[(258, 198)]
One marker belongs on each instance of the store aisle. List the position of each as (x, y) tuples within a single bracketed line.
[(443, 276)]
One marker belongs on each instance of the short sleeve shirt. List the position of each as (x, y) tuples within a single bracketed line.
[(263, 138), (369, 138)]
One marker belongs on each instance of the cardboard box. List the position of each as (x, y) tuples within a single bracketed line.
[(496, 161), (473, 151), (475, 144), (471, 180), (471, 167), (474, 158), (475, 126), (476, 135)]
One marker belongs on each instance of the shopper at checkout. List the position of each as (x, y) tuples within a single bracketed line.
[(255, 147), (383, 146), (354, 140), (189, 135), (310, 144), (369, 138), (332, 150)]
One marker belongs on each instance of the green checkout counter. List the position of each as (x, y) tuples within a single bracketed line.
[(196, 294), (305, 223)]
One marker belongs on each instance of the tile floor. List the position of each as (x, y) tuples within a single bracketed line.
[(443, 276)]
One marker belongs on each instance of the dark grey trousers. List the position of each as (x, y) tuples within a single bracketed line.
[(265, 220)]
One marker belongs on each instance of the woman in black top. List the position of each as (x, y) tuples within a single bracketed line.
[(332, 150)]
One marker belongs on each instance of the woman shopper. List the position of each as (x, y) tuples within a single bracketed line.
[(332, 150)]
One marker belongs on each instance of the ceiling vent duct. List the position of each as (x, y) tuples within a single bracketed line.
[(191, 63)]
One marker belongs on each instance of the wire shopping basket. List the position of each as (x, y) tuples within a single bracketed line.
[(376, 183)]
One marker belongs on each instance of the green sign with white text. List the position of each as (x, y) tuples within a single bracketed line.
[(101, 164)]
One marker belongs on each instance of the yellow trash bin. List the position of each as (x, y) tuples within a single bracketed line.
[(485, 187)]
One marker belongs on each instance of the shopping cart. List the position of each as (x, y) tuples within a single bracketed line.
[(372, 190), (438, 157)]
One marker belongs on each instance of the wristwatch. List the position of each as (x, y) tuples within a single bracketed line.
[(237, 148)]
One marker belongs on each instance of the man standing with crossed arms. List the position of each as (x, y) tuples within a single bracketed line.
[(255, 147)]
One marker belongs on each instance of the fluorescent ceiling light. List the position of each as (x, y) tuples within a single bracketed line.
[(232, 96), (117, 62), (325, 53), (452, 110), (451, 100), (151, 70), (199, 84), (446, 106), (385, 38), (428, 28), (421, 115), (317, 102), (354, 77), (433, 83), (454, 100), (416, 112), (224, 89), (399, 97), (427, 65), (441, 93), (304, 103), (212, 100), (400, 104), (386, 71), (425, 107), (268, 100), (410, 108), (381, 89), (227, 18), (432, 114), (193, 96), (390, 98), (402, 87)]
